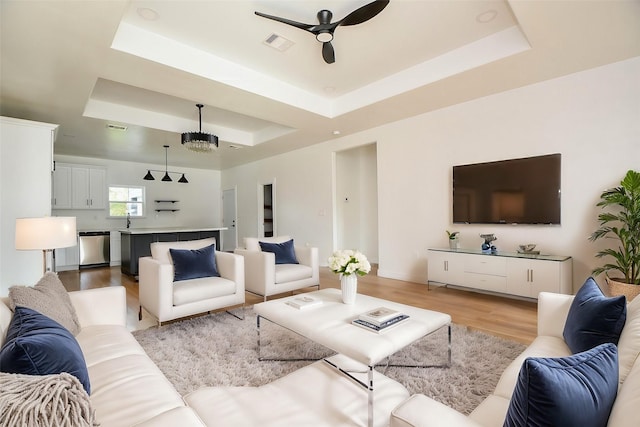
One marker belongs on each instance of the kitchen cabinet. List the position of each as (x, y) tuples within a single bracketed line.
[(67, 258), (516, 274), (61, 187), (114, 248), (88, 187), (79, 187)]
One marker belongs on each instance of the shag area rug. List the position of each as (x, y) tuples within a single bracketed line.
[(220, 350)]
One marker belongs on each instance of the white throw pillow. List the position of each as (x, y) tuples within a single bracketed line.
[(253, 243)]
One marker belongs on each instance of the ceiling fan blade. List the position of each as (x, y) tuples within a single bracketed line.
[(302, 26), (364, 13), (327, 53)]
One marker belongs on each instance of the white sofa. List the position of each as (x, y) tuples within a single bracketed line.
[(168, 300), (266, 278), (422, 411), (127, 388)]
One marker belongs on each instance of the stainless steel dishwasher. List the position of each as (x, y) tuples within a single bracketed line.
[(95, 248)]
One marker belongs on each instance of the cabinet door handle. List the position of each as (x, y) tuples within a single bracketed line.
[(531, 275)]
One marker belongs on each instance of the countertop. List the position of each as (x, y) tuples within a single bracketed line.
[(168, 230)]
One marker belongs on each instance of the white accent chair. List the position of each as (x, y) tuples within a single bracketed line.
[(265, 278), (168, 300)]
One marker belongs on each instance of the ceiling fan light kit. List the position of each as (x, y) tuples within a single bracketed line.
[(166, 177), (325, 28), (200, 142)]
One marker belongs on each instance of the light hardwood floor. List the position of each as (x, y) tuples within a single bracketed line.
[(507, 317)]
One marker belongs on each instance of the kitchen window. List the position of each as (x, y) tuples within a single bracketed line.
[(125, 200)]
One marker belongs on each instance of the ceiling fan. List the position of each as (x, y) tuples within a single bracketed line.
[(325, 28)]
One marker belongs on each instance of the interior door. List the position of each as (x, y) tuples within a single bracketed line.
[(267, 209), (229, 218)]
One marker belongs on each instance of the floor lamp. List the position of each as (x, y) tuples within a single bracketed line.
[(46, 234)]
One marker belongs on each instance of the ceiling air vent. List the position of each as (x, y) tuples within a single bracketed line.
[(116, 127), (278, 42)]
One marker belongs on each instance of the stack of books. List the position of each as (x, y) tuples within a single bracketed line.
[(304, 302), (380, 319)]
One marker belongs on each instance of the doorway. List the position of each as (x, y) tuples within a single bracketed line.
[(229, 218), (356, 200), (267, 209)]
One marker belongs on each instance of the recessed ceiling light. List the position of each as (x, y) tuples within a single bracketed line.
[(147, 14), (487, 16), (336, 132), (278, 42)]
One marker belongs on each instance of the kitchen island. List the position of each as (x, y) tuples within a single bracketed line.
[(136, 242)]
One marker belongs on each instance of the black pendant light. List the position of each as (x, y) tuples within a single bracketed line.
[(166, 177), (201, 142)]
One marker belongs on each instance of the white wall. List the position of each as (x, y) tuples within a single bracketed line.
[(591, 118), (200, 200), (25, 191)]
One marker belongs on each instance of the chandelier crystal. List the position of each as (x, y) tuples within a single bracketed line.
[(200, 142)]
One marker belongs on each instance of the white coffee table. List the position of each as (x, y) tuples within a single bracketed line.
[(329, 325)]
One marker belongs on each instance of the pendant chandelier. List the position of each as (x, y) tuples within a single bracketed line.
[(166, 177), (201, 142)]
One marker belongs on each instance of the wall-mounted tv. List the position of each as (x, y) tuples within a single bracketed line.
[(516, 191)]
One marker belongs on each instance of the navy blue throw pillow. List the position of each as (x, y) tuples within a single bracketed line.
[(38, 345), (574, 391), (194, 264), (285, 254), (593, 318)]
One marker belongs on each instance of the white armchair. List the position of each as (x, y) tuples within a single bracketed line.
[(167, 299), (265, 278)]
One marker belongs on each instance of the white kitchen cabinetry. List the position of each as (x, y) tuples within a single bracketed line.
[(114, 248), (509, 273), (88, 187), (67, 258), (79, 187), (61, 187)]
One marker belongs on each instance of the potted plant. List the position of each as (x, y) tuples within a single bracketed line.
[(621, 222), (349, 265), (453, 239)]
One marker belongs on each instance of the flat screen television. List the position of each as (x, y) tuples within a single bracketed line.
[(515, 191)]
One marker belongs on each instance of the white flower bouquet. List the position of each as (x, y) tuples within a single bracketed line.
[(346, 262)]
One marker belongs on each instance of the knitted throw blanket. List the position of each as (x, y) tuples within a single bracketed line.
[(44, 401)]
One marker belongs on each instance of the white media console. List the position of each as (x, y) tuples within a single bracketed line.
[(510, 273)]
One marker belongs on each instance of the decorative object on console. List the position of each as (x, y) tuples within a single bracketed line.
[(487, 246), (47, 233), (623, 224), (166, 177), (453, 239), (528, 249), (349, 265), (201, 142)]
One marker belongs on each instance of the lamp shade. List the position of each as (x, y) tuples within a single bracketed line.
[(45, 233)]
